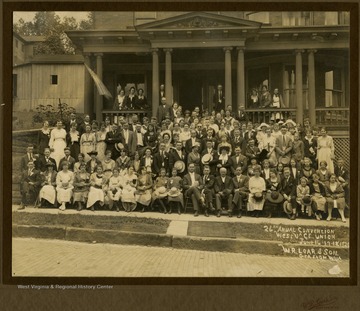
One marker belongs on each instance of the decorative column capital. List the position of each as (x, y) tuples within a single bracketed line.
[(227, 49), (154, 51), (168, 50), (311, 51), (99, 55), (299, 51)]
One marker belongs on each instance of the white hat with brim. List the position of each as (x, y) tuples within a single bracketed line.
[(262, 125), (289, 121), (287, 207), (174, 192), (206, 158), (161, 192), (119, 146), (179, 166)]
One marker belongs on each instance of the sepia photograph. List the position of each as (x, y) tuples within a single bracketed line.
[(181, 144)]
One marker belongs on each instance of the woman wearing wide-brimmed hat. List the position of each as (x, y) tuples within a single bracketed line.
[(175, 198), (273, 196), (257, 187)]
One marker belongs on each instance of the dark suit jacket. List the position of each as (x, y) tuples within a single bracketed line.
[(174, 156), (68, 125), (130, 103), (25, 160), (187, 182), (160, 162), (219, 101), (243, 185), (34, 177), (344, 173), (288, 187), (41, 163), (88, 165), (227, 187), (188, 145), (208, 183), (162, 112), (213, 162), (234, 163), (111, 139)]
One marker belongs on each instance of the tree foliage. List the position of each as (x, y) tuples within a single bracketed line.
[(52, 27)]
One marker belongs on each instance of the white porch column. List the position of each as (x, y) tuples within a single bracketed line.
[(311, 74), (99, 99), (155, 82), (299, 89), (240, 79), (168, 77), (228, 87)]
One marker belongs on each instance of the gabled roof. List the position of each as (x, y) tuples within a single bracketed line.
[(198, 20)]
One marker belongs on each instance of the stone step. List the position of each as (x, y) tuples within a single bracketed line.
[(308, 239)]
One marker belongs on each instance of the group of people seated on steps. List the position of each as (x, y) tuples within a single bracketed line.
[(216, 162)]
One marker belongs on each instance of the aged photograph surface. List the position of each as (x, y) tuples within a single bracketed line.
[(181, 144)]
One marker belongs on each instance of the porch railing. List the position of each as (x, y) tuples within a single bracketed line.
[(334, 116), (269, 114), (126, 114)]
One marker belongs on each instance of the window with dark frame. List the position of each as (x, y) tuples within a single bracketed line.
[(54, 79)]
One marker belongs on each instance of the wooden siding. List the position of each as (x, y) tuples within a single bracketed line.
[(35, 88)]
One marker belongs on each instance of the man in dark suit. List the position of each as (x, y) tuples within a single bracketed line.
[(219, 99), (211, 151), (28, 157), (250, 133), (223, 190), (288, 190), (236, 139), (193, 184), (162, 91), (113, 137), (163, 111), (72, 121), (69, 159), (252, 151), (241, 189), (44, 159), (208, 190), (283, 145), (192, 141), (128, 139), (238, 160), (161, 160), (82, 126), (177, 154), (29, 185), (209, 136)]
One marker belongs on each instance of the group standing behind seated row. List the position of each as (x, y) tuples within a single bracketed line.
[(206, 159)]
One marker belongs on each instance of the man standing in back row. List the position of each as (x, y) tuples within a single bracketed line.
[(219, 99)]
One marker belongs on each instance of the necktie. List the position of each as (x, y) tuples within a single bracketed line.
[(284, 142)]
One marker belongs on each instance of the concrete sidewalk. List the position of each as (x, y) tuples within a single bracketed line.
[(37, 257)]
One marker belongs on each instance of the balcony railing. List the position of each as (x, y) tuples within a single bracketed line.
[(268, 114), (126, 114), (334, 116)]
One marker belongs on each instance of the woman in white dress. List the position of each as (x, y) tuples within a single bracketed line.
[(257, 186), (100, 142), (57, 143), (64, 185), (108, 164), (48, 193), (87, 142), (185, 134), (115, 189), (129, 187), (325, 149), (97, 189), (268, 143)]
